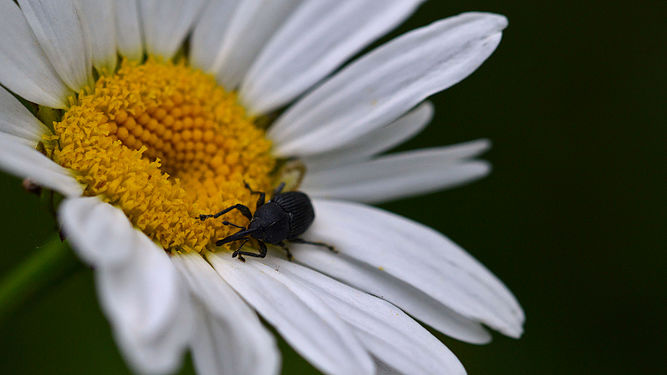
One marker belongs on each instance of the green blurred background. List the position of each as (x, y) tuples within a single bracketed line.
[(572, 217)]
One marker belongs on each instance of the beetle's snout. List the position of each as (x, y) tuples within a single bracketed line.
[(224, 241)]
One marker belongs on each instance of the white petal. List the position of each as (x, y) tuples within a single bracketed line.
[(253, 24), (317, 39), (25, 68), (304, 321), (379, 283), (383, 329), (381, 86), (229, 338), (399, 175), (151, 298), (213, 349), (16, 120), (209, 33), (89, 223), (138, 286), (421, 257), (376, 141), (58, 29), (143, 294), (22, 160), (166, 22), (99, 21), (162, 354), (128, 29), (148, 308)]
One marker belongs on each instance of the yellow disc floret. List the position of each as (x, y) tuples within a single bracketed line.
[(165, 143)]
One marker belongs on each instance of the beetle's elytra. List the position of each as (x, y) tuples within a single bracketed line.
[(282, 219)]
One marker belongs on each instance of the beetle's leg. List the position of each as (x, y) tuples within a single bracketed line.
[(322, 244), (245, 211), (262, 196), (284, 246), (279, 189), (262, 251), (238, 250)]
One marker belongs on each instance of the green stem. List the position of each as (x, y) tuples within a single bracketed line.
[(45, 267)]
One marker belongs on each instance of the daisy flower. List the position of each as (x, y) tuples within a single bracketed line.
[(145, 114)]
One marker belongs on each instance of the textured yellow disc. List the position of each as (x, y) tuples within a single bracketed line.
[(165, 143)]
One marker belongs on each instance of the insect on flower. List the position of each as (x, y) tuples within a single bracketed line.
[(284, 217), (144, 114)]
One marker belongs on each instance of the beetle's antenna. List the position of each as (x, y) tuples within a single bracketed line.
[(232, 225)]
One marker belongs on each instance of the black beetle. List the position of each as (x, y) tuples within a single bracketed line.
[(284, 217)]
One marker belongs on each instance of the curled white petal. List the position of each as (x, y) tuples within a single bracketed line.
[(25, 68), (381, 86), (89, 223), (317, 39), (229, 338), (22, 160), (166, 22), (399, 175), (421, 257), (58, 29), (302, 319), (139, 288), (149, 310), (16, 120)]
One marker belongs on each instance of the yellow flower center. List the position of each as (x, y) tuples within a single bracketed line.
[(165, 143)]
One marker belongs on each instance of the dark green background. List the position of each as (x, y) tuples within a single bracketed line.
[(572, 217)]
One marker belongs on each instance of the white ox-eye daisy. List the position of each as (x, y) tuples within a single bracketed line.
[(140, 145)]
